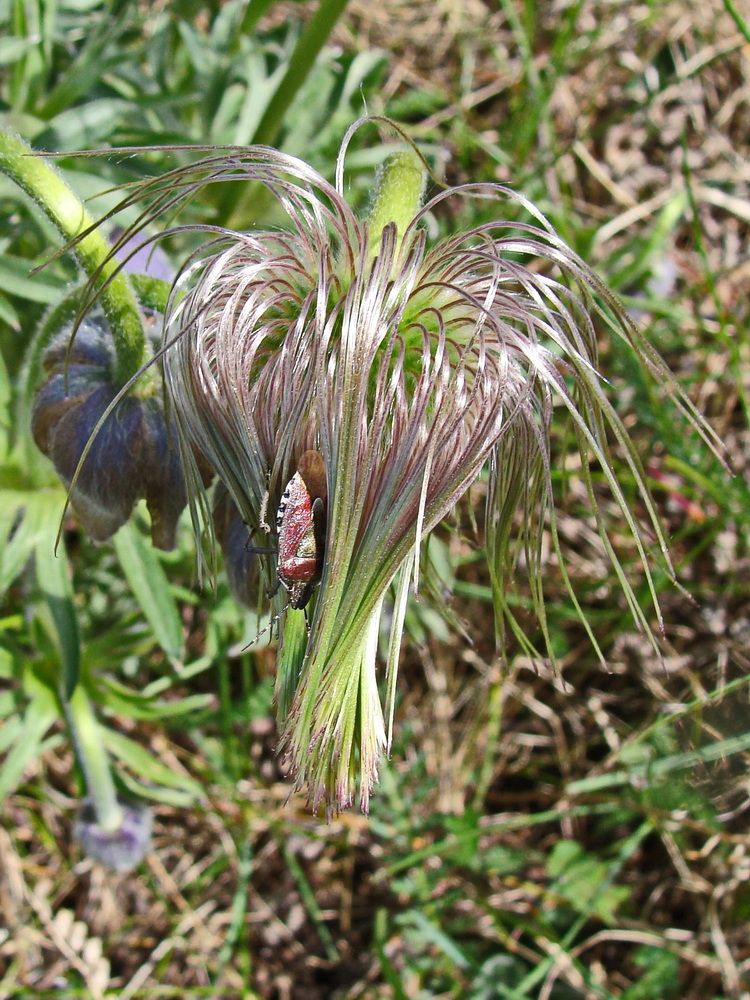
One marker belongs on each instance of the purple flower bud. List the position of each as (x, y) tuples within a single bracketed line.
[(134, 453), (121, 848)]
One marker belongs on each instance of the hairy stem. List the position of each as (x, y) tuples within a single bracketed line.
[(36, 176), (94, 760)]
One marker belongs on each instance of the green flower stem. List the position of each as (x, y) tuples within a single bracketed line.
[(290, 662), (37, 178), (398, 196), (94, 760)]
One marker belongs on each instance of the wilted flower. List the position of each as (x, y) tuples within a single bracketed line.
[(133, 454), (239, 557), (409, 368), (121, 847), (111, 449)]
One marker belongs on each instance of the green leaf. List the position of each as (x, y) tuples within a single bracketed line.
[(661, 979), (142, 763), (186, 673), (310, 902), (14, 279), (6, 662), (584, 881), (563, 854), (11, 731), (93, 61), (6, 394), (138, 705), (150, 585), (430, 933), (54, 578), (652, 770), (28, 739), (86, 126), (13, 49), (21, 519), (8, 314), (8, 706), (175, 797)]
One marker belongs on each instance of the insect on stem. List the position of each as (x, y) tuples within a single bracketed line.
[(301, 527)]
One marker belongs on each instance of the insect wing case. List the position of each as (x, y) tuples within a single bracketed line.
[(300, 524)]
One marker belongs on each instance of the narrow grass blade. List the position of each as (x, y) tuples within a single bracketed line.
[(56, 584), (663, 766), (150, 585), (139, 760), (310, 903), (39, 716)]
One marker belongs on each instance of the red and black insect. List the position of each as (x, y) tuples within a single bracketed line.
[(301, 527)]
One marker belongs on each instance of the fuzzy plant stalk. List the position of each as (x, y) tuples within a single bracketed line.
[(93, 760), (404, 367), (36, 176)]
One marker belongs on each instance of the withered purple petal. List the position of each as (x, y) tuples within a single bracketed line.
[(234, 539), (133, 454), (122, 848)]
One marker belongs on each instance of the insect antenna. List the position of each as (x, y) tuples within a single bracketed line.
[(270, 625)]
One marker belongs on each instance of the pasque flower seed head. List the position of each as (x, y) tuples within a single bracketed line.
[(408, 367)]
